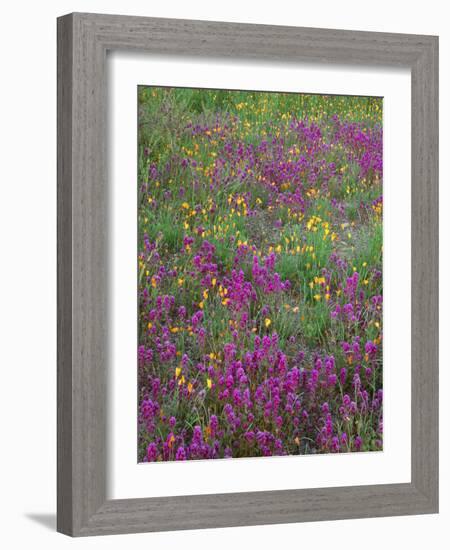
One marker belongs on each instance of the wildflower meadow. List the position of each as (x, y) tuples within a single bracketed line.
[(259, 274)]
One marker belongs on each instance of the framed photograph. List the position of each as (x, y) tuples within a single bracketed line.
[(247, 274)]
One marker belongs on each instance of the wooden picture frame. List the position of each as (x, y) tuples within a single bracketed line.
[(83, 40)]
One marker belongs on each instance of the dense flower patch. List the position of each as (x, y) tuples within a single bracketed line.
[(260, 274)]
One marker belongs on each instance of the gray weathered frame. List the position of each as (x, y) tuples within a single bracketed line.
[(83, 40)]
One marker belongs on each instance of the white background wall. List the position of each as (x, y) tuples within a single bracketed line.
[(28, 270)]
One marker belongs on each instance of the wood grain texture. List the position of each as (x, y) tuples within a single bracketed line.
[(425, 272), (83, 198), (64, 276)]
